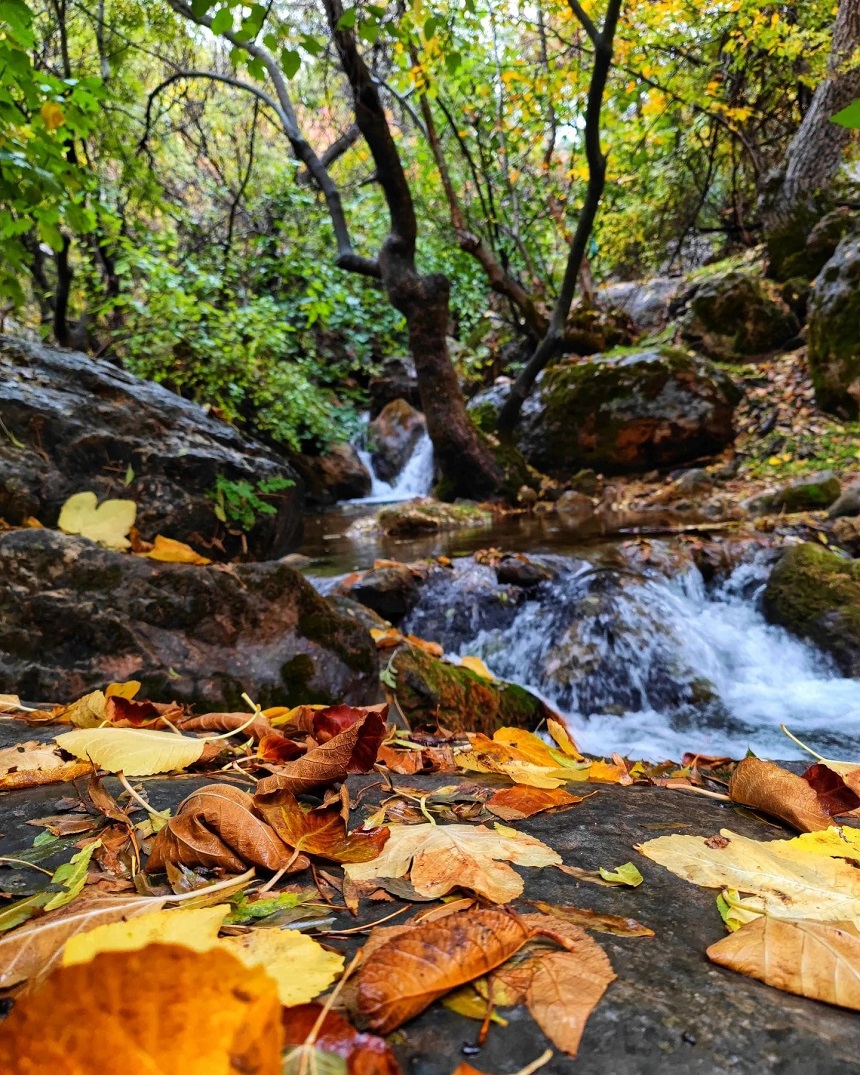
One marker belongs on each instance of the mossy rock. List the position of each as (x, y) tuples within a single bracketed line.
[(815, 594), (430, 690), (813, 492), (625, 412), (429, 516), (735, 317), (834, 332)]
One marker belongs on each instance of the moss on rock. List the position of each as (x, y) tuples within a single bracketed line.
[(428, 690), (834, 340), (815, 594)]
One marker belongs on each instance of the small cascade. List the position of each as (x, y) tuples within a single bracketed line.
[(414, 480)]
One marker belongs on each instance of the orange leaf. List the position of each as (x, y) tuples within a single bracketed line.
[(163, 1008), (175, 552), (518, 802), (780, 793), (365, 1054), (320, 832)]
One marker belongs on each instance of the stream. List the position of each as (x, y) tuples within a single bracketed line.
[(651, 662)]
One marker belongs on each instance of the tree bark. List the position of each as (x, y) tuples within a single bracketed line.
[(798, 192)]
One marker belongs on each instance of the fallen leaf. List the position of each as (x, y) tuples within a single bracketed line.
[(327, 723), (444, 857), (490, 756), (622, 875), (476, 665), (563, 739), (56, 774), (174, 552), (466, 1001), (300, 966), (161, 1009), (253, 726), (513, 804), (352, 751), (133, 751), (834, 792), (277, 749), (85, 712), (11, 703), (364, 1054), (780, 793), (72, 876), (121, 710), (218, 826), (813, 959), (195, 928), (785, 880), (602, 923), (417, 966), (834, 842), (404, 762), (320, 832), (107, 523), (386, 638), (565, 988)]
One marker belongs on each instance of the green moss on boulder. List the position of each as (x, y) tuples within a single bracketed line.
[(815, 594), (834, 332)]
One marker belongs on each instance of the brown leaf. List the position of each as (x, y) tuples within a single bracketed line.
[(327, 723), (226, 722), (521, 801), (405, 762), (34, 778), (133, 714), (602, 923), (365, 1054), (833, 791), (405, 975), (163, 1008), (276, 748), (352, 751), (320, 832), (820, 960), (218, 826), (565, 989), (765, 786)]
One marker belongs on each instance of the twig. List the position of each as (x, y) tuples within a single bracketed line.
[(363, 929)]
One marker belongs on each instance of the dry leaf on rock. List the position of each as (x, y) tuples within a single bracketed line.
[(352, 751), (127, 711), (364, 1054), (420, 964), (785, 881), (489, 756), (320, 832), (133, 751), (329, 722), (444, 857), (564, 990), (562, 738), (107, 523), (834, 842), (174, 552), (195, 928), (253, 727), (218, 826), (32, 764), (163, 1009), (300, 966), (587, 919), (814, 959), (780, 793), (518, 802), (835, 792)]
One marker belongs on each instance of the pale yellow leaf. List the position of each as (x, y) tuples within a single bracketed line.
[(134, 751), (107, 523), (300, 966), (476, 665), (196, 929)]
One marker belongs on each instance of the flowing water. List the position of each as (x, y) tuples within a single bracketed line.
[(414, 480)]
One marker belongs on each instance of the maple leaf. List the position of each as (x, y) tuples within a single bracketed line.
[(443, 857)]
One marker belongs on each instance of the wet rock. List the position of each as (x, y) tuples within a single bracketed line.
[(336, 475), (645, 302), (75, 616), (735, 318), (392, 436), (391, 592), (848, 503), (834, 342), (76, 423), (847, 533), (813, 492), (815, 594), (396, 380), (430, 690), (520, 571), (628, 412), (358, 613), (428, 516), (696, 480), (576, 510)]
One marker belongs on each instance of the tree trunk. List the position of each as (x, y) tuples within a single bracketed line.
[(801, 189), (465, 461)]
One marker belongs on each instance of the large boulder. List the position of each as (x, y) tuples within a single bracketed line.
[(396, 380), (735, 318), (815, 594), (646, 302), (337, 474), (74, 423), (627, 412), (834, 332), (75, 617), (392, 437)]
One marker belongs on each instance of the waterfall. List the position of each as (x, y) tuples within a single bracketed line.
[(414, 480)]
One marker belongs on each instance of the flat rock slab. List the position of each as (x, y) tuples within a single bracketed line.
[(669, 1010)]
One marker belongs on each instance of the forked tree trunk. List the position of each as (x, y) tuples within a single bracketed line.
[(800, 190), (467, 465)]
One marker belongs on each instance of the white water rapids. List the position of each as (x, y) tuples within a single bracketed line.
[(414, 480)]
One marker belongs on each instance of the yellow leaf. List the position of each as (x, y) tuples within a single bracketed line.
[(134, 751), (476, 665), (169, 551), (300, 966), (52, 115), (562, 738), (528, 745), (834, 842), (196, 929), (622, 875), (107, 523), (123, 690)]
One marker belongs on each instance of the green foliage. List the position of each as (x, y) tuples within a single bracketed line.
[(849, 116), (239, 503)]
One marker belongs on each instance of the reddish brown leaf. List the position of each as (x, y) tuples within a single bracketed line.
[(833, 792), (276, 748), (320, 832), (602, 923), (564, 990), (352, 751), (365, 1054), (418, 965), (765, 786), (327, 723), (57, 774), (218, 826), (404, 762), (521, 801), (132, 714), (227, 722)]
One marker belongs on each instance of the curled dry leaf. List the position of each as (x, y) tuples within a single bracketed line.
[(835, 791), (320, 832), (277, 749), (201, 1013), (30, 765), (518, 802), (352, 751), (587, 919), (443, 857), (365, 1054), (327, 723), (126, 711), (780, 793), (253, 727), (820, 960), (133, 751), (419, 965), (218, 826)]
